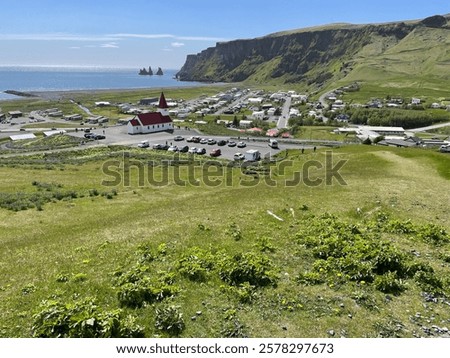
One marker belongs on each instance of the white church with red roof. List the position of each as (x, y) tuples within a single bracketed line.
[(152, 122)]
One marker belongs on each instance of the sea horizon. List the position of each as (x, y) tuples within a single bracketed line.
[(48, 78)]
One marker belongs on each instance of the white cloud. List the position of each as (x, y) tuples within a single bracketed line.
[(177, 44), (56, 37), (170, 36), (75, 47), (110, 45), (201, 38), (143, 36), (103, 38)]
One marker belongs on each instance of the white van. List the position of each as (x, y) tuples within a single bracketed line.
[(273, 144), (144, 144)]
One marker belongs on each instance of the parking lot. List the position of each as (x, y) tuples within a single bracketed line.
[(118, 135)]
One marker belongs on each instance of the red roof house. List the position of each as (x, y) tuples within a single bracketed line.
[(151, 122)]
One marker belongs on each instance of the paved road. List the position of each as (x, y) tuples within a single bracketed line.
[(83, 108), (324, 103), (424, 129), (284, 118)]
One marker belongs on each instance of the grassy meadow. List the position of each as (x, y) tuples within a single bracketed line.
[(225, 252)]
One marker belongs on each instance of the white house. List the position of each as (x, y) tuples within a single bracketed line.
[(245, 123), (294, 112), (373, 132), (152, 122), (271, 111), (258, 115), (255, 100)]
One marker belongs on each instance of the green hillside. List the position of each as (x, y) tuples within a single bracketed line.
[(225, 252), (420, 61), (412, 54)]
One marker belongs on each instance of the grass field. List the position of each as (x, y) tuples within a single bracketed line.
[(212, 259)]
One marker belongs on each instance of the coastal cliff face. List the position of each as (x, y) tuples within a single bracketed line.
[(316, 55)]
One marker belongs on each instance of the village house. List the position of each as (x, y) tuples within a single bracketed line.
[(15, 114), (258, 115), (152, 122)]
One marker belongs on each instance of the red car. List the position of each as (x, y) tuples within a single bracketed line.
[(215, 153)]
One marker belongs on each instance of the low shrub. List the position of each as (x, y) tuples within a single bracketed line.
[(82, 319), (254, 268), (195, 264), (169, 320), (310, 278), (145, 291), (389, 283), (433, 234), (429, 283)]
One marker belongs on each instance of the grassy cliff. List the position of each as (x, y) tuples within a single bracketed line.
[(402, 54)]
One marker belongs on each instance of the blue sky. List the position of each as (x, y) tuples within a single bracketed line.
[(138, 33)]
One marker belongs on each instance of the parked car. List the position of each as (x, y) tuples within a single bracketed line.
[(238, 156), (98, 136), (190, 139), (89, 135), (215, 153), (178, 138), (241, 145), (196, 139), (203, 141), (161, 146), (184, 149), (201, 151), (192, 150), (212, 141), (221, 143), (232, 143), (445, 148), (173, 148), (144, 144)]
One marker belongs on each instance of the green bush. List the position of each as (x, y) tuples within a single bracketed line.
[(169, 320), (146, 290), (254, 268), (264, 244), (401, 227), (433, 234), (310, 278), (429, 283), (195, 264), (232, 326), (389, 283), (234, 231), (82, 319)]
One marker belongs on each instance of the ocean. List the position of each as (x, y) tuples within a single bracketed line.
[(26, 79)]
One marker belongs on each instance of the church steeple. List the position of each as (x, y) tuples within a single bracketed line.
[(162, 102), (163, 108)]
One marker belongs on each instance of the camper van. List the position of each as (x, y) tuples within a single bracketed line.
[(273, 144), (252, 155)]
